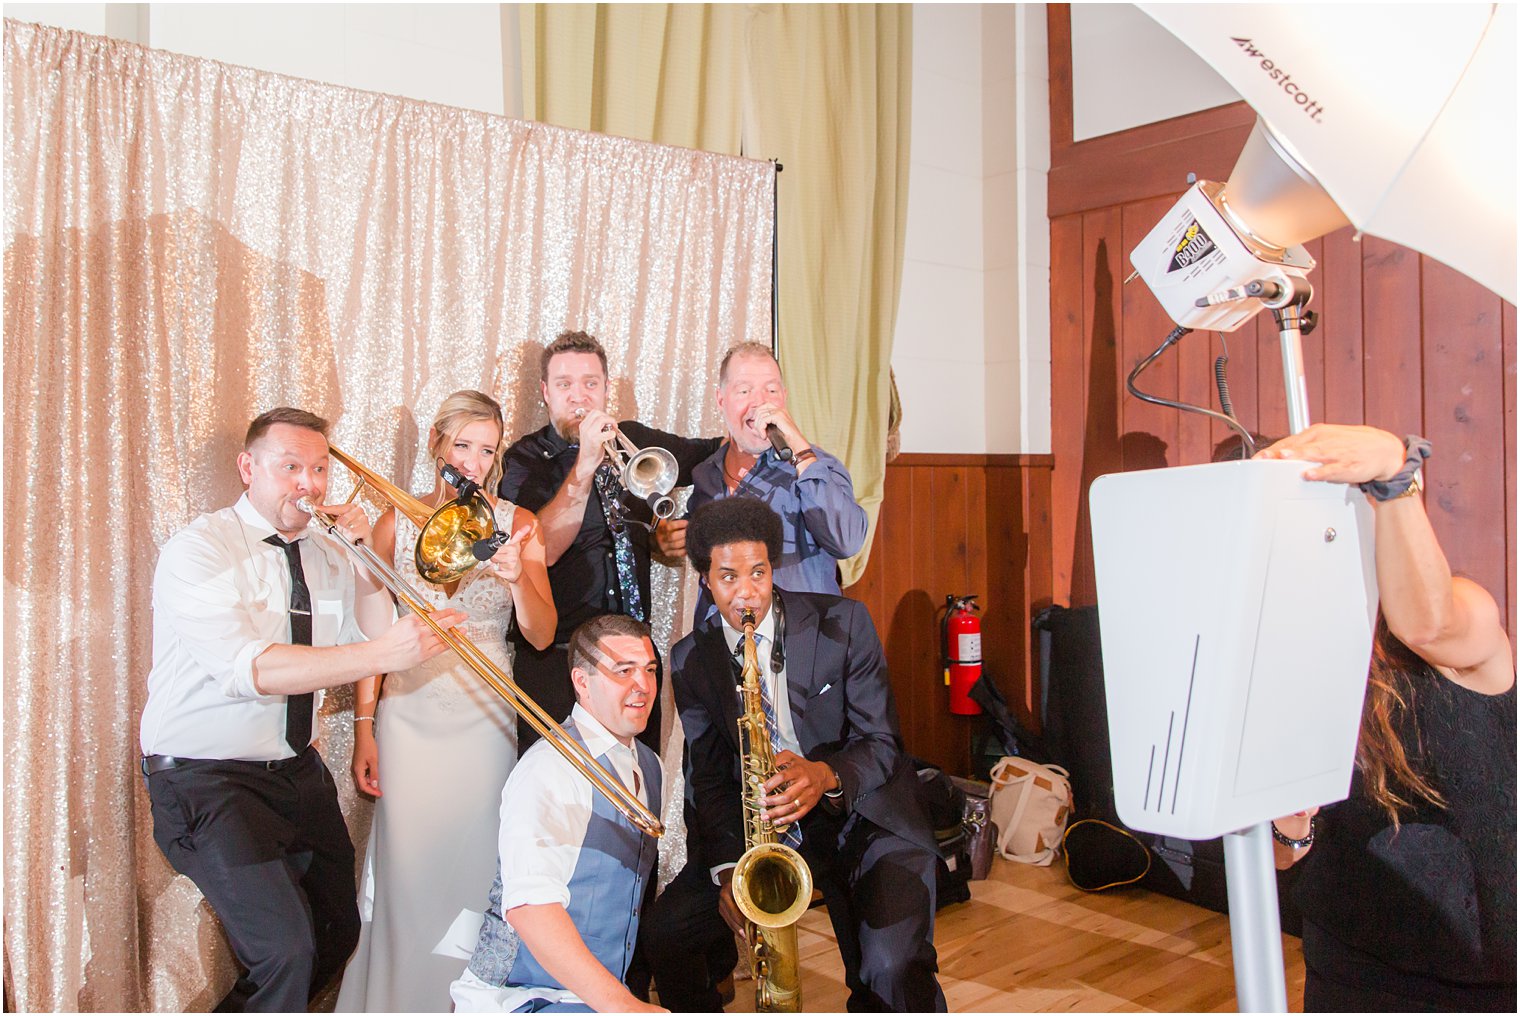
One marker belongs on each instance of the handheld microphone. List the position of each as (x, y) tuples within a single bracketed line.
[(783, 450), (461, 483), (486, 549)]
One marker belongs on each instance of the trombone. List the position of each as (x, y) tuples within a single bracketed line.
[(649, 474), (422, 516)]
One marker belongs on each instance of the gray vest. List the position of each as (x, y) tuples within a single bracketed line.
[(610, 876)]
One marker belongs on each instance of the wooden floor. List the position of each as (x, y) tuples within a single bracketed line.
[(1030, 942)]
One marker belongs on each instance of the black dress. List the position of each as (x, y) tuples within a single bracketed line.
[(1421, 918)]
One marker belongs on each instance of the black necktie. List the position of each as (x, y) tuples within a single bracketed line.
[(297, 707)]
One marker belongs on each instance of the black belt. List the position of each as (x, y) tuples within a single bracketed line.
[(158, 763)]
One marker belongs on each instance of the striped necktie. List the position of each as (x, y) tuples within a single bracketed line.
[(792, 837)]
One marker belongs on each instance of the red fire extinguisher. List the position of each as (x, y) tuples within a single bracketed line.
[(961, 646)]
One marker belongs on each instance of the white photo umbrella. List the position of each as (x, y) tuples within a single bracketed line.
[(1405, 114)]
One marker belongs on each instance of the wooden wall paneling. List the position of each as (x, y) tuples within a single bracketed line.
[(979, 563), (1464, 493), (1121, 169), (1136, 164), (992, 575), (1314, 346), (1005, 622), (1247, 360), (1038, 575), (952, 524), (1102, 279), (1511, 549), (1068, 392), (1147, 433), (894, 557), (917, 608), (1338, 289), (947, 534), (1271, 415), (1058, 42), (1391, 330), (1195, 386)]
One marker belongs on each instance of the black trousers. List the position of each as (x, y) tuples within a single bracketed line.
[(880, 891), (685, 942), (545, 675), (270, 852)]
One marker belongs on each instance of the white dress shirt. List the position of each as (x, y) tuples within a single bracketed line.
[(221, 596), (545, 812), (774, 682)]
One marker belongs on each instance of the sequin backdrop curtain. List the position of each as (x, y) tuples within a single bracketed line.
[(825, 89), (188, 243)]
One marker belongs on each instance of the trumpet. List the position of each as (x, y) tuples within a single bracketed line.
[(648, 473), (621, 798)]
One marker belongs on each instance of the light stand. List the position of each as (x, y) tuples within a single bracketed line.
[(1264, 541), (1250, 871)]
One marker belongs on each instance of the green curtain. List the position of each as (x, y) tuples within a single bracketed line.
[(825, 90)]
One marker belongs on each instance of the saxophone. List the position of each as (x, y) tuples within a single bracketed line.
[(772, 884)]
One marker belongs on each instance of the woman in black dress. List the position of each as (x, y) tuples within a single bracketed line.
[(1407, 888)]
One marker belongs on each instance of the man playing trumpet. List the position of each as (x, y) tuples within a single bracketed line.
[(598, 553)]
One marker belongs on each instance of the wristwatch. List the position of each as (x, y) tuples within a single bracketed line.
[(1289, 842), (1406, 482)]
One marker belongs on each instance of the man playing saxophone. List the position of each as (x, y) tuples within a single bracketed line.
[(842, 786)]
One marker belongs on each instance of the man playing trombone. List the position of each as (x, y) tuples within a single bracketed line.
[(254, 614), (596, 547)]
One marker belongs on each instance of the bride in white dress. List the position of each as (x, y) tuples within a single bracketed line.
[(441, 742)]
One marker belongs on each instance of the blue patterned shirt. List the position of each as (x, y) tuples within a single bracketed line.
[(821, 524)]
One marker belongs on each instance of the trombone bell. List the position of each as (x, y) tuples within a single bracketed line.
[(445, 547)]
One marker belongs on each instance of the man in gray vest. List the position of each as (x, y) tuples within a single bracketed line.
[(563, 914)]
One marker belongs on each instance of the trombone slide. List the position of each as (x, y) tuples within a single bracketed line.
[(608, 785)]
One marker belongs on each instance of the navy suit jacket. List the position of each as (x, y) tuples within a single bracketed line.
[(842, 710)]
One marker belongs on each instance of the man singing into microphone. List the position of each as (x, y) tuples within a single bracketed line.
[(811, 490)]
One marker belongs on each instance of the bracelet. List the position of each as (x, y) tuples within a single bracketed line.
[(800, 457), (361, 719), (1405, 482), (1289, 842)]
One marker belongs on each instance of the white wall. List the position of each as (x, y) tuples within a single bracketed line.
[(1127, 71), (972, 346), (446, 53)]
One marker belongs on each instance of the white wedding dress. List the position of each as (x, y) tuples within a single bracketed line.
[(447, 743)]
